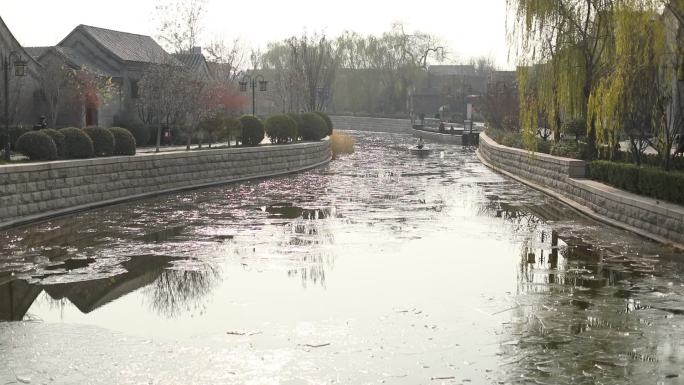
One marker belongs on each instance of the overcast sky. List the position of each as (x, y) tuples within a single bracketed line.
[(469, 27)]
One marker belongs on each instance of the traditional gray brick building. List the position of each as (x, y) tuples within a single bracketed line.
[(121, 56), (24, 106)]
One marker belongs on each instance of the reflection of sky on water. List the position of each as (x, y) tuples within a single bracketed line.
[(408, 268)]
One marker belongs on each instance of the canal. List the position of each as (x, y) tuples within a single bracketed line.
[(378, 268)]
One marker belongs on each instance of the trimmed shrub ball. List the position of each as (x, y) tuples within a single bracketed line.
[(298, 120), (77, 144), (252, 130), (281, 129), (58, 138), (328, 122), (313, 127), (124, 141), (37, 145), (103, 140)]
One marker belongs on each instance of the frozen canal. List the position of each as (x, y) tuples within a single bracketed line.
[(378, 268)]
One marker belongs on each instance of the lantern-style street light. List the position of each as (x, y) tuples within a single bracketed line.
[(252, 82), (13, 59)]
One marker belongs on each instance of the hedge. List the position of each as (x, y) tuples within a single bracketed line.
[(647, 181), (77, 144), (124, 141), (37, 145), (58, 138), (252, 130), (103, 140), (281, 129), (313, 127)]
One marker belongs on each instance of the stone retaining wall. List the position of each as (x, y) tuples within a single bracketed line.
[(564, 179), (33, 191), (400, 126)]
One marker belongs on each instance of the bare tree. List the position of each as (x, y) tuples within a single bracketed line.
[(57, 86), (90, 90), (227, 60), (316, 59), (192, 104), (159, 90), (180, 24)]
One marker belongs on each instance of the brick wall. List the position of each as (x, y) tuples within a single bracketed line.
[(33, 191), (661, 221)]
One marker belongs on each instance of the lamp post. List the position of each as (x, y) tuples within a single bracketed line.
[(13, 59), (252, 82)]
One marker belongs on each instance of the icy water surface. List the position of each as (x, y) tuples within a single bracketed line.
[(378, 268)]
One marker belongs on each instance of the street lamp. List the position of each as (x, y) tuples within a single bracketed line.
[(13, 59), (252, 81)]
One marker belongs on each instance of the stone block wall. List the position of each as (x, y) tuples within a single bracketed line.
[(648, 217), (33, 191)]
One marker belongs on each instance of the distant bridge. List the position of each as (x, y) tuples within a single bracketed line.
[(398, 126)]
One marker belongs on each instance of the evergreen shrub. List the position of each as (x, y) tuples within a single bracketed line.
[(37, 145), (252, 130), (77, 144)]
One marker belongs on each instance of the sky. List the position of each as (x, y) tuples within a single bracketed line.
[(470, 28)]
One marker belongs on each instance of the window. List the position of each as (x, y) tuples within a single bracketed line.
[(134, 89)]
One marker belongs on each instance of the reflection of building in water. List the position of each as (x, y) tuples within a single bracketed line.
[(16, 298), (581, 314), (90, 295), (173, 289), (546, 259)]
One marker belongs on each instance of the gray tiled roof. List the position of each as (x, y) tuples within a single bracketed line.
[(76, 59), (128, 46), (194, 61)]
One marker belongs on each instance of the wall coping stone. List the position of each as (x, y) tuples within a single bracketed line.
[(569, 162), (143, 157), (650, 204)]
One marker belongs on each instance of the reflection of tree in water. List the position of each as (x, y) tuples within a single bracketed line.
[(522, 218), (580, 318), (313, 269), (313, 235), (177, 291)]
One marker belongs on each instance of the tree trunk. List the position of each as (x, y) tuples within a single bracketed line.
[(159, 130)]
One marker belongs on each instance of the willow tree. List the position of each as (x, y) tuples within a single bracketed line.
[(641, 94), (670, 82), (626, 100), (571, 35)]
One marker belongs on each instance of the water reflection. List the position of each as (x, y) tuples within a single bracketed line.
[(176, 291), (412, 268), (170, 291), (588, 314)]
